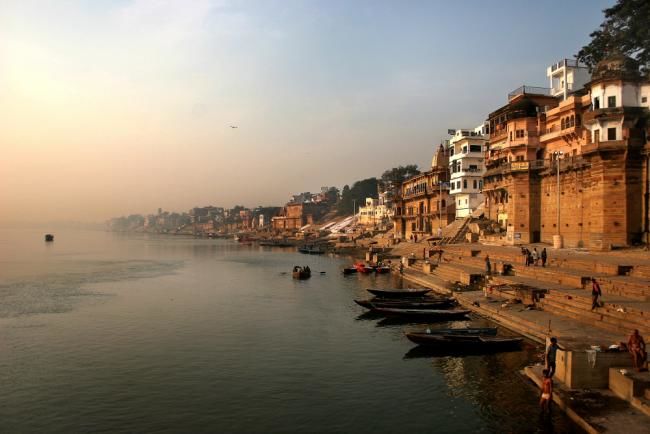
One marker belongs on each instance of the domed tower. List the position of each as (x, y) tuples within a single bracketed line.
[(616, 122), (440, 159)]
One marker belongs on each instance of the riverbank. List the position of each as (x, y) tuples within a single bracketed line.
[(555, 301)]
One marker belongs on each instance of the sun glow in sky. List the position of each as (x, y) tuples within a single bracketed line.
[(110, 108)]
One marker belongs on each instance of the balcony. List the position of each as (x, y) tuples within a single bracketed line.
[(571, 63), (531, 90)]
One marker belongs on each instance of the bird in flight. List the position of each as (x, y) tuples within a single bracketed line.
[(234, 126)]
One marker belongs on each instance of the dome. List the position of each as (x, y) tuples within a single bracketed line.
[(440, 159), (616, 65)]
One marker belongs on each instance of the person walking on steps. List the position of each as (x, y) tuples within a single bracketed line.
[(596, 293), (550, 356), (488, 265), (544, 256)]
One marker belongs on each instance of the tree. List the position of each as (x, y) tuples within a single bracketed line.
[(391, 180), (625, 30), (355, 197)]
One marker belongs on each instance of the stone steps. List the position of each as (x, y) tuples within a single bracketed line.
[(605, 317)]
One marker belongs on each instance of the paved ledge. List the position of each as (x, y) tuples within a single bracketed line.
[(594, 410)]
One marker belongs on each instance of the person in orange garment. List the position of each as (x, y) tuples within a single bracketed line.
[(547, 392)]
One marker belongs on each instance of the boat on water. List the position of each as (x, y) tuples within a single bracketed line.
[(465, 331), (350, 270), (275, 243), (301, 273), (460, 342), (407, 303), (382, 269), (399, 293), (311, 250), (49, 238), (421, 313)]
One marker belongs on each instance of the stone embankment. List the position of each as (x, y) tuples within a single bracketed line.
[(540, 302)]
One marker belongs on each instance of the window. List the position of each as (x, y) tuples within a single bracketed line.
[(473, 167), (475, 184), (480, 183), (611, 101), (577, 120), (459, 203), (465, 149), (562, 124), (644, 99), (611, 133), (520, 158), (464, 183), (475, 148), (596, 103), (519, 134), (596, 136)]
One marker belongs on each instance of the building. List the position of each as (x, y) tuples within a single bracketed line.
[(376, 212), (467, 165), (566, 76), (569, 166), (424, 204), (295, 215)]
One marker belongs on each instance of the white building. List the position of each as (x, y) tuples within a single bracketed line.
[(567, 76), (376, 211), (466, 166)]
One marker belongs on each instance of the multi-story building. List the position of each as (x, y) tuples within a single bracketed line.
[(376, 212), (513, 160), (571, 169), (298, 214), (466, 164), (566, 76), (424, 204)]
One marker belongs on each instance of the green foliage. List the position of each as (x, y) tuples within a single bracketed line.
[(357, 195), (392, 179), (626, 29)]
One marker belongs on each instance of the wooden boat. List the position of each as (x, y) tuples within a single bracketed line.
[(476, 331), (275, 243), (301, 273), (398, 293), (311, 250), (421, 313), (407, 303), (458, 342), (382, 269), (350, 270), (49, 238)]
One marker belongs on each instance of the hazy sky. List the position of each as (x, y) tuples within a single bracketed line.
[(116, 107)]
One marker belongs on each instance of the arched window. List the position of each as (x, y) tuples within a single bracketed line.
[(442, 203), (577, 120), (562, 124), (573, 121)]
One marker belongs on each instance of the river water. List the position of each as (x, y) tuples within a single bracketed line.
[(103, 332)]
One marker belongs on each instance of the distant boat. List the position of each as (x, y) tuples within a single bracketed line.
[(399, 293), (458, 342), (465, 331), (301, 273), (311, 250), (383, 269), (49, 238), (275, 243), (350, 270), (421, 313), (407, 303)]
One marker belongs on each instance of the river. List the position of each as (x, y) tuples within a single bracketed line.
[(105, 332)]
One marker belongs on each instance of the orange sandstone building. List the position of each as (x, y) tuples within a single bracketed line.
[(568, 165), (424, 203)]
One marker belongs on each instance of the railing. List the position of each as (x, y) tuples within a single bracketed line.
[(564, 62), (529, 90)]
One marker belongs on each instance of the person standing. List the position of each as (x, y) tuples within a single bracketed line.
[(488, 265), (535, 256), (544, 256), (550, 357), (439, 255), (637, 349), (547, 392), (596, 293)]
